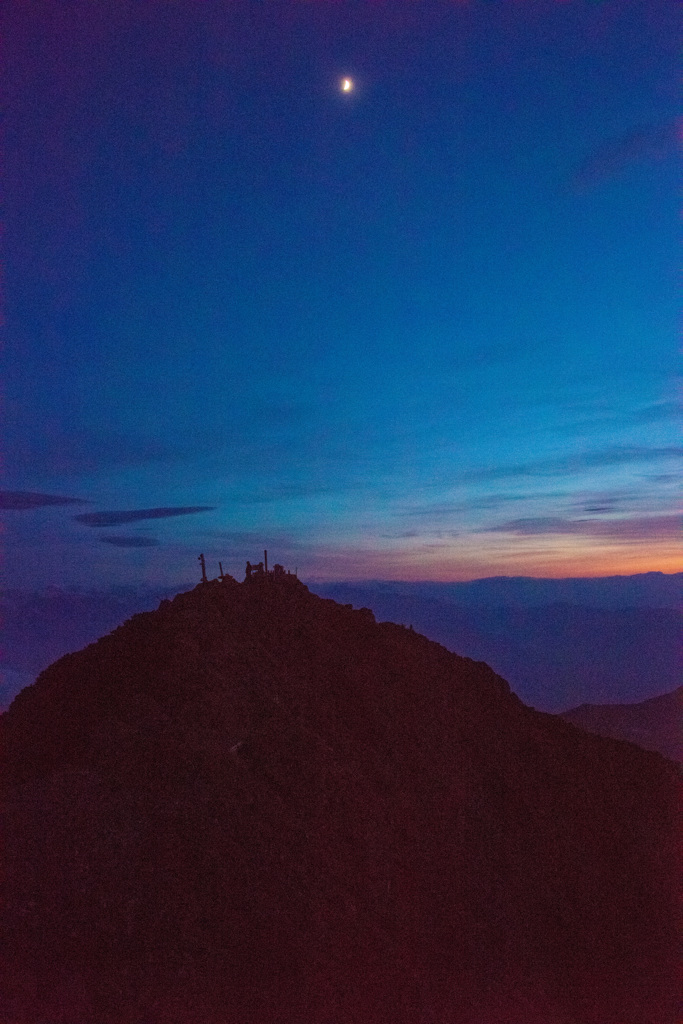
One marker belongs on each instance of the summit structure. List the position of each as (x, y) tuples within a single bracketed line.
[(256, 806)]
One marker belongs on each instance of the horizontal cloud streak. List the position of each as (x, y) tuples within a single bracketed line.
[(652, 142), (655, 412), (631, 528), (29, 499), (617, 456), (135, 515), (264, 495), (74, 451), (477, 503), (131, 542)]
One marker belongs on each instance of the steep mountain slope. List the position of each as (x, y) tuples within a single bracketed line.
[(256, 805), (37, 627), (655, 724), (554, 656)]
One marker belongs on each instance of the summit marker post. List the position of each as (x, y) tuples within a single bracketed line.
[(203, 564)]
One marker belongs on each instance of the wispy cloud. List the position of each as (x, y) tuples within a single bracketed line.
[(135, 515), (264, 495), (649, 142), (403, 535), (72, 451), (238, 541), (614, 456), (624, 528), (595, 509), (443, 509), (30, 499), (597, 415), (655, 412), (528, 482), (131, 542)]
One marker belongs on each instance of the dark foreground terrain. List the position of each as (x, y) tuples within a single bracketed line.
[(656, 724), (256, 806)]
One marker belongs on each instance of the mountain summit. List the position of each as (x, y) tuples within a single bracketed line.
[(257, 806)]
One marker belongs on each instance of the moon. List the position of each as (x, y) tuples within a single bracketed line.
[(346, 85)]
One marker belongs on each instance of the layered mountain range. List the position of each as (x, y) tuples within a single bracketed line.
[(257, 805), (656, 724)]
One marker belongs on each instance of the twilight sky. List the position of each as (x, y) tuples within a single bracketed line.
[(423, 329)]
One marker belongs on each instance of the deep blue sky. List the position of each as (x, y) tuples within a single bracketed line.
[(425, 329)]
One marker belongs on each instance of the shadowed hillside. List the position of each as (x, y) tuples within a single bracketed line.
[(255, 805), (554, 655), (655, 724), (37, 627)]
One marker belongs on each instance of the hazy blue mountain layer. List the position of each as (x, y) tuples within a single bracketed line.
[(643, 590)]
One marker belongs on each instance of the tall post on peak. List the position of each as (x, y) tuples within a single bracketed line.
[(265, 560), (220, 573), (203, 564)]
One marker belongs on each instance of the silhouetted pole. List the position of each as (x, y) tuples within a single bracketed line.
[(201, 559), (265, 560), (220, 566)]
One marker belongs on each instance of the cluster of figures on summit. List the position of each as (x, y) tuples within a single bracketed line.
[(258, 570), (254, 572)]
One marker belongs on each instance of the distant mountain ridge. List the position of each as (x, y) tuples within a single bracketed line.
[(254, 804), (655, 724), (642, 590)]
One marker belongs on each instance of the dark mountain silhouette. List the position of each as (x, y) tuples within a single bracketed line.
[(554, 656), (255, 805), (655, 724)]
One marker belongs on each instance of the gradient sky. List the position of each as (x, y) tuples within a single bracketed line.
[(426, 329)]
